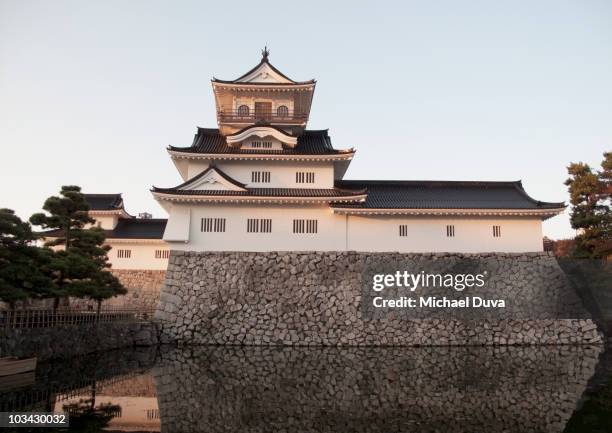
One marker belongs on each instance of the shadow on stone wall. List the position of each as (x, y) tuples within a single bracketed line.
[(317, 298), (427, 389)]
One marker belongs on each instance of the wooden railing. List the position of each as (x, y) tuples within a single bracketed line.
[(239, 116), (45, 318)]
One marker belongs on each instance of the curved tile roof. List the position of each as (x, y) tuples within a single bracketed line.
[(392, 194), (137, 228), (127, 228), (266, 192), (210, 140), (104, 201), (264, 60)]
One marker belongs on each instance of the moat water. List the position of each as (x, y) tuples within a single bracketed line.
[(257, 389)]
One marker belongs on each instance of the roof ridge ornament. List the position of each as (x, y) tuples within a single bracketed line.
[(265, 53)]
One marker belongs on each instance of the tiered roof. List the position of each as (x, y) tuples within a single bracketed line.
[(128, 227), (188, 192), (138, 228), (250, 77), (445, 198), (209, 141), (104, 202)]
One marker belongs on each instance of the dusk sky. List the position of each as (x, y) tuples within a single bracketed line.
[(91, 93)]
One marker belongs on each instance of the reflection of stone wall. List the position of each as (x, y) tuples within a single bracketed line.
[(313, 298), (137, 386), (71, 340), (427, 389)]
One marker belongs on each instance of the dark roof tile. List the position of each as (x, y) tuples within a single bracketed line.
[(127, 228), (104, 201), (209, 140), (267, 192), (138, 228), (444, 195)]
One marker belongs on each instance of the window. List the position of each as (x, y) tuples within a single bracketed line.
[(305, 226), (255, 225), (403, 230), (282, 111), (162, 254), (496, 231), (261, 144), (260, 176), (124, 254), (243, 110), (216, 225), (304, 177), (450, 231)]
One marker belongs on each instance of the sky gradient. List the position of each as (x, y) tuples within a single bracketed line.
[(91, 93)]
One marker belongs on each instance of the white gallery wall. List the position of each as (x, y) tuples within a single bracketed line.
[(349, 233)]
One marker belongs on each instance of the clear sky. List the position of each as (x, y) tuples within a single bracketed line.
[(91, 93)]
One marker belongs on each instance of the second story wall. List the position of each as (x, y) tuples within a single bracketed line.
[(138, 255), (282, 174)]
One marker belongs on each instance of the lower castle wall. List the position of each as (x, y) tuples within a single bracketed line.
[(71, 340), (143, 289), (312, 298)]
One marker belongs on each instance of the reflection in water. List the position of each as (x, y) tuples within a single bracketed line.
[(264, 389), (458, 389)]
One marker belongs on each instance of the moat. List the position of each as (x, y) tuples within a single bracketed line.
[(325, 389)]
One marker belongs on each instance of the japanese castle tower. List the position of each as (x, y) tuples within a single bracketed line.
[(262, 181)]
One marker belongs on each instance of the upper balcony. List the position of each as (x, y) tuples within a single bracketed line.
[(245, 115)]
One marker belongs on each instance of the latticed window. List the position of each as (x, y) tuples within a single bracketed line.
[(162, 254), (243, 110), (403, 230), (214, 225), (304, 177), (259, 225), (124, 254), (282, 111), (450, 231), (305, 226), (496, 231), (260, 176)]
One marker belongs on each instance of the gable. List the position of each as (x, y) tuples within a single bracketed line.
[(263, 73), (262, 132), (212, 179)]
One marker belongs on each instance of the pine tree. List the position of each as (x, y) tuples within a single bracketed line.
[(604, 247), (24, 268), (81, 264), (590, 198)]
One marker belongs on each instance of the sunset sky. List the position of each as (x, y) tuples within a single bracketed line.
[(91, 93)]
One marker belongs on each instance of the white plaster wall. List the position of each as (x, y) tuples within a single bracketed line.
[(378, 233), (107, 222), (282, 172), (330, 236), (142, 256), (472, 235)]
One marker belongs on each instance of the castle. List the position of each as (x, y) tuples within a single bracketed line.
[(263, 182)]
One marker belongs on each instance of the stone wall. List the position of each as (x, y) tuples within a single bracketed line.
[(382, 389), (313, 298), (143, 285), (67, 341)]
